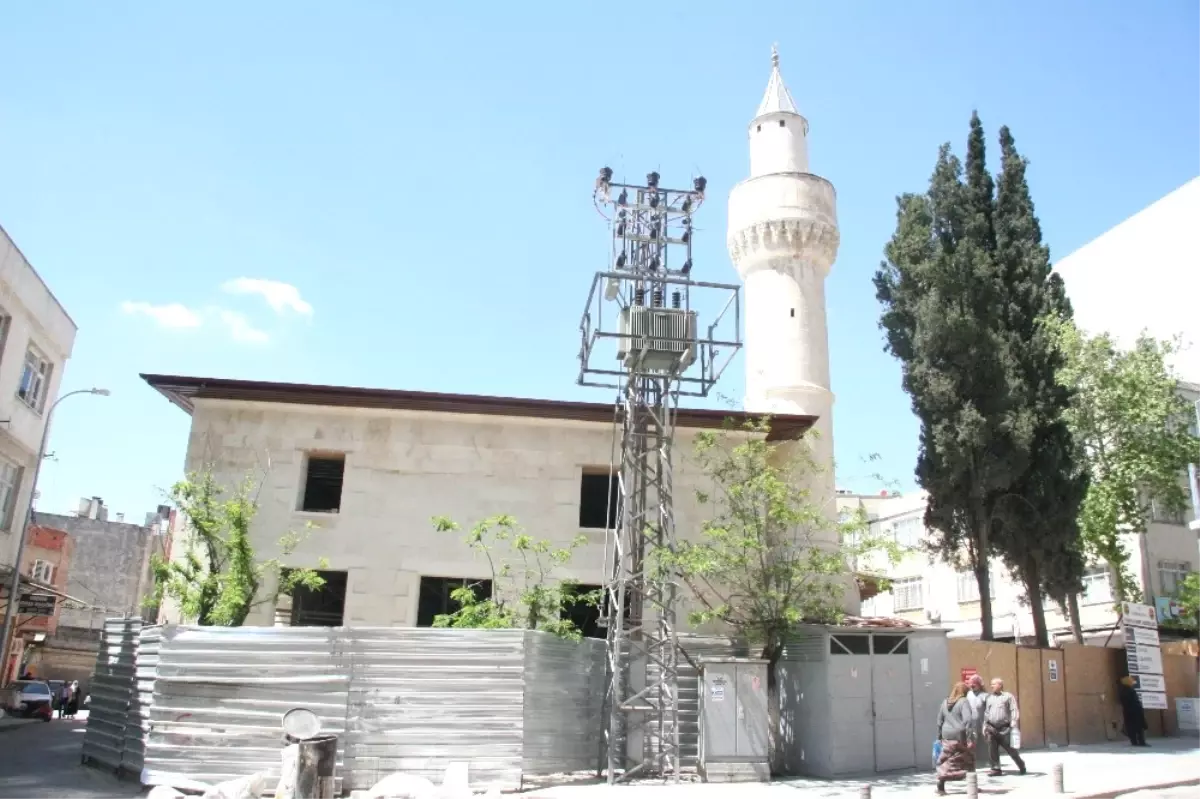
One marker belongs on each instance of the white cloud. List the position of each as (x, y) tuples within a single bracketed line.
[(240, 328), (280, 296), (172, 315)]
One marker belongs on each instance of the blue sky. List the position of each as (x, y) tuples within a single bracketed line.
[(422, 177)]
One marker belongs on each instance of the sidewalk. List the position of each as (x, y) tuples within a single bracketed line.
[(1101, 770)]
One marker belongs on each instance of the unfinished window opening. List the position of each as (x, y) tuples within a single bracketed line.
[(759, 129), (792, 312), (436, 600), (583, 614), (599, 499), (782, 124), (890, 644), (323, 477), (320, 607), (849, 645)]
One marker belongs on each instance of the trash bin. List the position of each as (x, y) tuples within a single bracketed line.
[(315, 767)]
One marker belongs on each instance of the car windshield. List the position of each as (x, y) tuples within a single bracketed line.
[(36, 688)]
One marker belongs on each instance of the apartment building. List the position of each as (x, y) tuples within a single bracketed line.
[(36, 338), (927, 590)]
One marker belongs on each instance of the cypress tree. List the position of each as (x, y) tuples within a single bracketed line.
[(1037, 532)]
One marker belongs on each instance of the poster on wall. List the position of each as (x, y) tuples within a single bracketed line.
[(1143, 653), (968, 672)]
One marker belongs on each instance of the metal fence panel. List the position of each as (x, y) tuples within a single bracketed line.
[(423, 698), (111, 687), (563, 704), (141, 698), (220, 694)]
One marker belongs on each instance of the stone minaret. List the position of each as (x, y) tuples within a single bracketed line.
[(783, 238)]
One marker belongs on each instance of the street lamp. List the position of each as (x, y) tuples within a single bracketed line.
[(1192, 484), (14, 586)]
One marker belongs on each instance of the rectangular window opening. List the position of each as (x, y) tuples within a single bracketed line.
[(35, 379), (1097, 585), (435, 599), (323, 479), (1171, 574), (849, 644), (584, 615), (599, 500), (10, 483), (907, 594), (890, 644), (42, 571), (323, 607)]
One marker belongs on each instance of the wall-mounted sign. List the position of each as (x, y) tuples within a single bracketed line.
[(37, 605), (717, 690), (1052, 666), (968, 672)]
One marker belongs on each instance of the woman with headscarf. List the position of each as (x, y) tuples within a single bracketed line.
[(1131, 709), (956, 734), (73, 700)]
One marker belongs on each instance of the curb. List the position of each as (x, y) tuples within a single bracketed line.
[(1159, 786), (16, 723)]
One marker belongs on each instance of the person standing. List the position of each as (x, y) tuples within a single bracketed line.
[(977, 699), (1001, 716), (956, 734), (1132, 711), (64, 696), (73, 700)]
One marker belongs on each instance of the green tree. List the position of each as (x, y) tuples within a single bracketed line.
[(525, 593), (768, 556), (217, 579), (1036, 531), (1189, 604), (943, 295), (1134, 429)]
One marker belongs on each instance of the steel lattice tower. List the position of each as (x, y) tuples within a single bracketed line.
[(658, 345)]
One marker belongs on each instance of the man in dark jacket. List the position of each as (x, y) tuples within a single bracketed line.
[(1131, 710)]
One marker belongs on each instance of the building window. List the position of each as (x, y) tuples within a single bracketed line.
[(1097, 585), (968, 586), (1161, 512), (599, 500), (42, 571), (435, 599), (321, 607), (908, 531), (1171, 574), (323, 476), (907, 594), (5, 326), (35, 379), (10, 484)]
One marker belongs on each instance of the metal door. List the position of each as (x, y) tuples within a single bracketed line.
[(752, 711), (927, 659), (891, 689), (720, 710)]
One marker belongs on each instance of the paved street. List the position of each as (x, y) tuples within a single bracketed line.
[(41, 761)]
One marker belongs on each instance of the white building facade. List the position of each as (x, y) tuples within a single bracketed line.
[(36, 338)]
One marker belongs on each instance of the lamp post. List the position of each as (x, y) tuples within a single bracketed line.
[(14, 586), (1192, 484)]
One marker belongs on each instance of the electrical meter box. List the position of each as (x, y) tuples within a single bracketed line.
[(734, 721)]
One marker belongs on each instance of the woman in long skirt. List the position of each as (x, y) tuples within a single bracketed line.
[(73, 701), (956, 733)]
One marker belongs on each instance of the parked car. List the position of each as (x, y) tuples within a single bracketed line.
[(32, 699)]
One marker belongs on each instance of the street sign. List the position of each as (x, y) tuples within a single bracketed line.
[(1143, 654), (1136, 615), (37, 605)]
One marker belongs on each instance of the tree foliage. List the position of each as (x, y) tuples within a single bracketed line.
[(1188, 598), (768, 557), (967, 294), (217, 579), (525, 592), (1135, 432)]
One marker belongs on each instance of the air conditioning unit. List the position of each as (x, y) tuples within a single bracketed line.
[(657, 339)]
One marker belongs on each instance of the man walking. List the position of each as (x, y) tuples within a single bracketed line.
[(1000, 717), (976, 698)]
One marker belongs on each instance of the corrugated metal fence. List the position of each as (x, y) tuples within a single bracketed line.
[(206, 703), (111, 686)]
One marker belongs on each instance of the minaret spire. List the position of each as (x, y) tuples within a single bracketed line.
[(777, 99)]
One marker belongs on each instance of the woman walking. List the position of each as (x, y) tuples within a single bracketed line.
[(73, 700), (956, 734)]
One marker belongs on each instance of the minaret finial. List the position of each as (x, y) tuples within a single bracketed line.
[(775, 55)]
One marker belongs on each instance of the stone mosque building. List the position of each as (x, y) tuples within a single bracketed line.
[(370, 467)]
